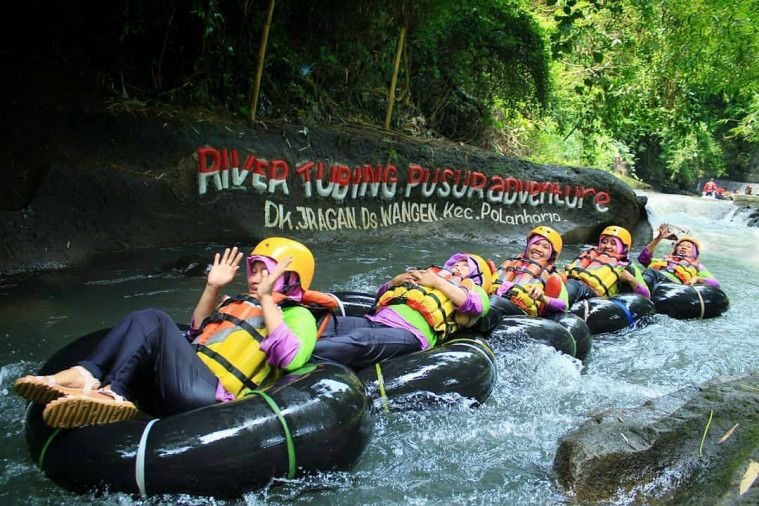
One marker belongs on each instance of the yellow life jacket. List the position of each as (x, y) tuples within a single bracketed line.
[(438, 310), (229, 344), (524, 274), (229, 339), (683, 269), (597, 270)]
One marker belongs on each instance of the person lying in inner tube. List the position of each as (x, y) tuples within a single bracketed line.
[(414, 311), (681, 266), (233, 344), (529, 280), (605, 270)]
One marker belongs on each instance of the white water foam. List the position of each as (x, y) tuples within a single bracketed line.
[(718, 224)]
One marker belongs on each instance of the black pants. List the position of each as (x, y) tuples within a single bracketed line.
[(654, 278), (577, 290), (358, 342), (147, 353)]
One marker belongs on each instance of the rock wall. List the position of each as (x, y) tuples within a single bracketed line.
[(81, 183)]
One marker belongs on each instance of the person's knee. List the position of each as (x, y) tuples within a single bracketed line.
[(147, 313), (337, 349), (579, 291), (150, 315), (350, 324)]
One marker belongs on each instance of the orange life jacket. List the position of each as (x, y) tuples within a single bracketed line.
[(523, 273), (684, 269), (324, 306)]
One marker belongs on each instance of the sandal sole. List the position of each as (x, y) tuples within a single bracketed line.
[(40, 392), (71, 412)]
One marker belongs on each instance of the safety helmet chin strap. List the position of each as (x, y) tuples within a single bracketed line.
[(291, 281), (477, 276)]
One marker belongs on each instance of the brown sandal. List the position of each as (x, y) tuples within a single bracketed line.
[(43, 389), (99, 407)]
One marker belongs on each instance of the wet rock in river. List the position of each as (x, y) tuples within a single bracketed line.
[(655, 452)]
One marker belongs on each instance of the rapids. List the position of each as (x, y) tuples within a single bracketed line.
[(499, 453)]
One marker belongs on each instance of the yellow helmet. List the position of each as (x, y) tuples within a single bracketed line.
[(486, 271), (620, 233), (280, 247), (689, 239), (550, 235)]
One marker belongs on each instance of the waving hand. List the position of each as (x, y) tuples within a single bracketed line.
[(224, 268)]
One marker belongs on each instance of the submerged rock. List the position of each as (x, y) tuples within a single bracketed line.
[(655, 452)]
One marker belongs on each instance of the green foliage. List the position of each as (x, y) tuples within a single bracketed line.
[(748, 124), (668, 86), (663, 77), (695, 153), (473, 54)]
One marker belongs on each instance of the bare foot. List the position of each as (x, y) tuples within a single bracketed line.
[(76, 377), (43, 389)]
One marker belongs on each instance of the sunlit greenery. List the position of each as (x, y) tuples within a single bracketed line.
[(668, 87), (660, 78)]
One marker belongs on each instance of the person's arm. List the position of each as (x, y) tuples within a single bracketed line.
[(404, 277), (292, 342), (264, 292), (647, 253), (558, 301), (555, 305), (429, 279), (635, 281), (222, 273), (290, 339), (504, 287), (477, 302), (645, 257), (706, 277)]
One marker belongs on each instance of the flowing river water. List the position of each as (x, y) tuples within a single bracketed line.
[(498, 453)]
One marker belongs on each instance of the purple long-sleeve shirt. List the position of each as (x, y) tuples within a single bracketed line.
[(280, 346), (386, 316), (555, 305), (642, 290), (645, 257)]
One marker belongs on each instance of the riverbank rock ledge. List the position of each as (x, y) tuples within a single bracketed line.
[(655, 454), (79, 183)]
